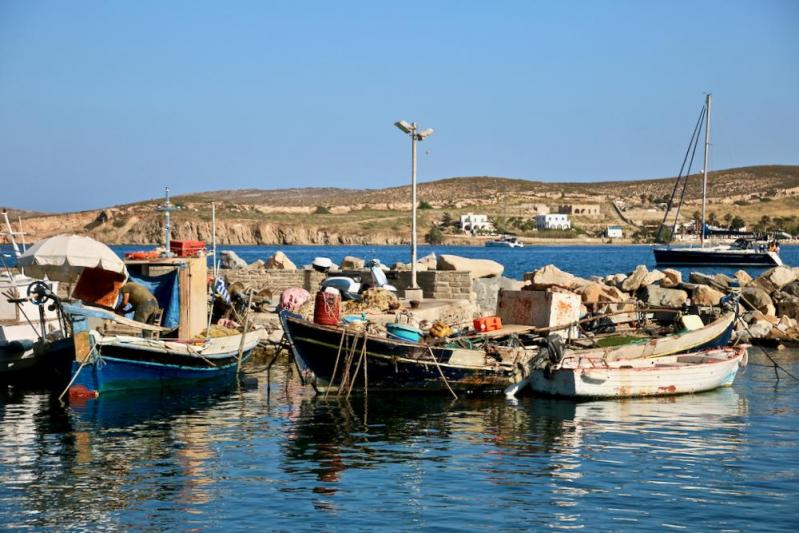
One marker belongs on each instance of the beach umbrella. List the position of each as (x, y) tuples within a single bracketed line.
[(64, 257)]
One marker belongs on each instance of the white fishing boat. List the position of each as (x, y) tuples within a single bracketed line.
[(581, 377)]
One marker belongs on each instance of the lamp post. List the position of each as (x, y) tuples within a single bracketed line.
[(410, 130)]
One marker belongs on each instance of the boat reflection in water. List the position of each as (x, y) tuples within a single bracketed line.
[(104, 448), (562, 449)]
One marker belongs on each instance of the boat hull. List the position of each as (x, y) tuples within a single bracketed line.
[(390, 365), (709, 256), (717, 334), (120, 368), (680, 374)]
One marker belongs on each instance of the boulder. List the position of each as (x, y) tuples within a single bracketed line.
[(352, 263), (256, 265), (753, 297), (428, 261), (788, 307), (724, 280), (775, 278), (230, 259), (759, 329), (706, 296), (551, 276), (653, 277), (635, 280), (671, 278), (279, 261), (791, 289), (659, 297), (615, 280), (702, 279), (595, 293), (743, 278), (477, 268)]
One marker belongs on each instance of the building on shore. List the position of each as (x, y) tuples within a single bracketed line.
[(614, 232), (585, 210), (471, 223), (553, 221)]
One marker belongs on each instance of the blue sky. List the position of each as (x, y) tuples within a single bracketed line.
[(106, 102)]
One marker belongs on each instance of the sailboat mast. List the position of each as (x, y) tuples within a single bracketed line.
[(704, 168)]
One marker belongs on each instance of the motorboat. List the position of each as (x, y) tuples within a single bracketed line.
[(506, 241)]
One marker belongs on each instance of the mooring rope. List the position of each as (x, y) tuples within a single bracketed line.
[(443, 377)]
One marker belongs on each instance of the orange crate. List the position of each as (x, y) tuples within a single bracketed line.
[(186, 248), (487, 323)]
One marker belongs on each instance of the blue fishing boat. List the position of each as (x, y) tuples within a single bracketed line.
[(116, 363)]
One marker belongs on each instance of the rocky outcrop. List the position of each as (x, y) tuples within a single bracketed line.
[(352, 263), (706, 296), (671, 278), (635, 280), (655, 296)]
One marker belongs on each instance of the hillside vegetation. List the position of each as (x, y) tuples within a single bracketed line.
[(380, 216)]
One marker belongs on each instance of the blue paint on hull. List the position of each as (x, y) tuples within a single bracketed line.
[(111, 374)]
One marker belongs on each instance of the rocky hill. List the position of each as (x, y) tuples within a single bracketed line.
[(350, 216)]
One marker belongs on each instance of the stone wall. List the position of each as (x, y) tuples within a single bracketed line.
[(442, 284), (276, 280)]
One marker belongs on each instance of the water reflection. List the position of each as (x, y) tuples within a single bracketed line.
[(271, 451)]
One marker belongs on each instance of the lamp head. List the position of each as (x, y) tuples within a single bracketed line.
[(404, 126), (422, 134)]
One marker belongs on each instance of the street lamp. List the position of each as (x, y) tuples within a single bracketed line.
[(410, 130)]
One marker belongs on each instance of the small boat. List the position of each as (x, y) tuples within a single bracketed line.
[(121, 363), (330, 355), (743, 252), (714, 335), (506, 241), (580, 377)]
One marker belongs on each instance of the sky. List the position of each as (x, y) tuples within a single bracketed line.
[(107, 102)]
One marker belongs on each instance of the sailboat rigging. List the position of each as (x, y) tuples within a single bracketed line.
[(742, 252)]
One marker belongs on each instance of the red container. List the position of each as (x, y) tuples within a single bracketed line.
[(186, 248), (487, 323), (327, 308)]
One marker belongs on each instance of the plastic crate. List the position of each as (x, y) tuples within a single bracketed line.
[(487, 323), (186, 248)]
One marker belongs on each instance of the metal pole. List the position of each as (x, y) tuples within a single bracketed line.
[(413, 200), (704, 169), (21, 234), (213, 237)]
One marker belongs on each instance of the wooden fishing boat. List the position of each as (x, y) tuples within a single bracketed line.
[(580, 377), (334, 359), (120, 363), (714, 335)]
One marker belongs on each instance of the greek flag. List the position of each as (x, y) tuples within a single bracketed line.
[(221, 290)]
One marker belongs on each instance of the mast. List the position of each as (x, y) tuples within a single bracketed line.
[(708, 98)]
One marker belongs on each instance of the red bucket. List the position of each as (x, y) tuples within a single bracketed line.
[(327, 308)]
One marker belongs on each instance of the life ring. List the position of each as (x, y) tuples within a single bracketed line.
[(141, 255)]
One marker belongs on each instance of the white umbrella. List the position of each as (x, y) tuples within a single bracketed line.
[(63, 258)]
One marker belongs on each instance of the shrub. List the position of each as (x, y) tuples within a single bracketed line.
[(322, 210), (434, 236), (425, 205)]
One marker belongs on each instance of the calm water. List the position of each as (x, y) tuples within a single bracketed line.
[(266, 454)]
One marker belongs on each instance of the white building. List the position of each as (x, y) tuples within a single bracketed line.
[(473, 223), (614, 232), (553, 221)]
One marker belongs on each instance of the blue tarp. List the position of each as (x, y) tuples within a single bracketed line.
[(166, 290)]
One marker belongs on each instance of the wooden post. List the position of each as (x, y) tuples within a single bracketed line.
[(244, 333)]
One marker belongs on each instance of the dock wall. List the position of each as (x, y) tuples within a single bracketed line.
[(439, 284)]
